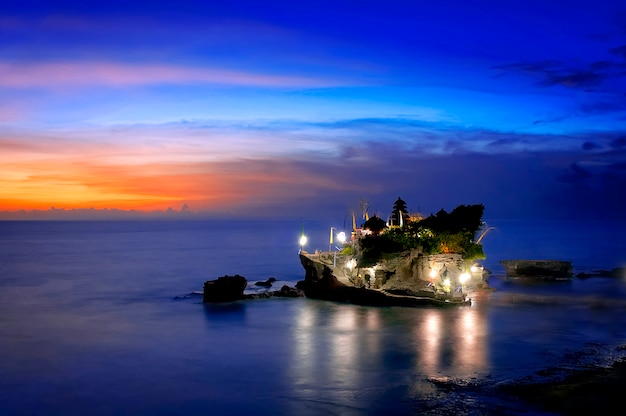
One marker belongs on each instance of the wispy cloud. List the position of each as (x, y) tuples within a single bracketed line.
[(554, 73), (142, 168), (63, 74)]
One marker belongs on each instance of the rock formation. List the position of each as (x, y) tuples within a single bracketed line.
[(322, 283), (224, 289), (555, 269), (231, 288)]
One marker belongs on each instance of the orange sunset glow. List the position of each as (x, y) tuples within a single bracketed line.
[(144, 175)]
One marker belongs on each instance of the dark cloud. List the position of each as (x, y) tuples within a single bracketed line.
[(553, 73), (618, 143), (573, 78), (610, 104), (575, 174), (620, 50), (618, 104), (590, 146), (555, 119), (618, 166), (592, 183), (522, 184)]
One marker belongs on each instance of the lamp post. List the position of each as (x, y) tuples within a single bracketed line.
[(463, 278), (303, 241), (342, 239)]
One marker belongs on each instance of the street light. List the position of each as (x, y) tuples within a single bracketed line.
[(303, 241), (463, 278), (341, 236)]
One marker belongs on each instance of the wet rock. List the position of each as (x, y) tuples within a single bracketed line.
[(545, 269), (615, 272), (587, 391), (289, 292), (284, 292), (224, 289)]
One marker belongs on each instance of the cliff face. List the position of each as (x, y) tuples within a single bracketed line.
[(413, 271), (408, 273), (321, 283)]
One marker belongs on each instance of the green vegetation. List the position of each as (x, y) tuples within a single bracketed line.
[(453, 232)]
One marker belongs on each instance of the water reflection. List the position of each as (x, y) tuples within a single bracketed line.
[(352, 350), (453, 342)]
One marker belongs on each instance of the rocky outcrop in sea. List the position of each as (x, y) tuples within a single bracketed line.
[(231, 288)]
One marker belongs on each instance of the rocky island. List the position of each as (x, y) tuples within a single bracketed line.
[(407, 260)]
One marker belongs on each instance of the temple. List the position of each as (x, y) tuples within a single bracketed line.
[(407, 256)]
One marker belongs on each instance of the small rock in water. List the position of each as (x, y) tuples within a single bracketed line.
[(224, 289)]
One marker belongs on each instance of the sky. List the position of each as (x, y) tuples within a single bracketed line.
[(302, 109)]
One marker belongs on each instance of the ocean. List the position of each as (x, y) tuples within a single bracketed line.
[(106, 318)]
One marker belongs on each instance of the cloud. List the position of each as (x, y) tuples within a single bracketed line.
[(310, 169), (582, 76), (60, 74), (616, 105), (553, 73), (620, 50), (618, 143), (575, 174), (590, 146), (609, 104)]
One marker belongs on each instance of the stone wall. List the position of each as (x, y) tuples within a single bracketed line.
[(408, 271), (322, 282), (412, 270)]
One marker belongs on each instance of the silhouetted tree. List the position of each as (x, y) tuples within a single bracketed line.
[(464, 218)]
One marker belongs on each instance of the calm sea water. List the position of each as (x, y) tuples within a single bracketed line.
[(100, 318)]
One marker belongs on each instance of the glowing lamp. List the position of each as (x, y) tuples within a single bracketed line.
[(351, 264), (464, 277), (476, 268)]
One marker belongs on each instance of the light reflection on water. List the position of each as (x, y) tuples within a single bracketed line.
[(364, 356), (445, 341)]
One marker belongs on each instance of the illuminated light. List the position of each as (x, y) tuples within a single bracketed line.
[(476, 268), (351, 264), (341, 237), (433, 273), (446, 282), (303, 240), (464, 277)]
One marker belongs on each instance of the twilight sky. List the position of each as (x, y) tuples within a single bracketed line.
[(302, 108)]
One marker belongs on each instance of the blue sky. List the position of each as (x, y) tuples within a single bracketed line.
[(282, 108)]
